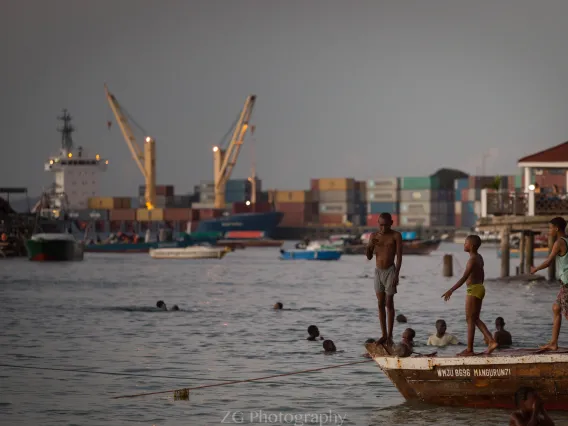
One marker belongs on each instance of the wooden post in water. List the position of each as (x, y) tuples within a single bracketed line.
[(529, 251), (552, 267), (505, 252), (522, 253), (448, 265)]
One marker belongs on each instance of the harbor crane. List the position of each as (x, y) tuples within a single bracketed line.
[(225, 159), (145, 158)]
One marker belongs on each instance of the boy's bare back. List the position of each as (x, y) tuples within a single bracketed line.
[(477, 275)]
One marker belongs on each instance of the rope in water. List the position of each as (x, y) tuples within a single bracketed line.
[(233, 382), (110, 373)]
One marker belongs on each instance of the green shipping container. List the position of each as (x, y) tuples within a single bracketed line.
[(419, 183), (518, 182)]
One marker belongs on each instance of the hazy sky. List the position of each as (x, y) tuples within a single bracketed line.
[(345, 88)]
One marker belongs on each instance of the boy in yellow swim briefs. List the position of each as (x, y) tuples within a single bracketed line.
[(474, 275)]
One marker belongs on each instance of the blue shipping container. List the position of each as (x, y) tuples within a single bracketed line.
[(236, 196), (468, 207), (460, 184), (382, 207), (458, 195), (237, 184)]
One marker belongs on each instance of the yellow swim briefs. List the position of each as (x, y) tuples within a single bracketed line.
[(476, 290)]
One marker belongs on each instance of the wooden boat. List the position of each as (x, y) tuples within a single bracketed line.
[(310, 254), (483, 381), (44, 247), (192, 252)]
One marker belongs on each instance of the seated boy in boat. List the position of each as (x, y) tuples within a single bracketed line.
[(530, 411), (474, 275), (406, 346), (441, 338)]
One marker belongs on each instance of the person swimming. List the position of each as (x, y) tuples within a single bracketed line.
[(175, 308), (406, 345), (530, 409), (161, 305), (329, 346), (278, 305), (401, 318), (441, 338), (314, 333)]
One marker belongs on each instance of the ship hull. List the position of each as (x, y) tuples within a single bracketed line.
[(54, 250), (480, 381), (266, 222)]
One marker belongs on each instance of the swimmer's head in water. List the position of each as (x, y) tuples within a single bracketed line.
[(401, 318), (441, 327), (160, 304), (329, 346), (175, 308), (278, 305), (499, 323), (313, 331)]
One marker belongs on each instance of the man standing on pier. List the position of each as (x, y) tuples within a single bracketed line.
[(386, 244), (558, 254)]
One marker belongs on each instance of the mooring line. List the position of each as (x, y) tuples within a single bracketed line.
[(111, 373), (242, 381)]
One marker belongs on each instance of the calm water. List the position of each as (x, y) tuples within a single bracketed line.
[(97, 315)]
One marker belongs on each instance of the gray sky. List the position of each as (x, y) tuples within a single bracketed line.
[(345, 88)]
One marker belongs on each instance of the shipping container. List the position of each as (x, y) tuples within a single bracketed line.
[(419, 183), (336, 208), (423, 195), (122, 214), (458, 195), (293, 196), (209, 213), (415, 208), (198, 206), (332, 196), (165, 190), (382, 207), (336, 184), (414, 220), (145, 215), (382, 195), (295, 207), (109, 203), (385, 184), (465, 195), (314, 185), (458, 208), (474, 194), (236, 196), (180, 214), (471, 207), (331, 219), (297, 219), (244, 235), (242, 207), (238, 185), (460, 184), (360, 186), (519, 182), (181, 201)]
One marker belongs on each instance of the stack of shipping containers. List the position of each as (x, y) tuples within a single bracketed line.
[(360, 216), (419, 201), (298, 207), (336, 197), (382, 197)]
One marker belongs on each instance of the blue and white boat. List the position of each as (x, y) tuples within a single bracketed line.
[(314, 251)]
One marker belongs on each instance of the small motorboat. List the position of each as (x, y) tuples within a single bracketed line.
[(191, 252), (314, 251)]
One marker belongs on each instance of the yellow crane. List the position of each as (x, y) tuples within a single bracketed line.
[(145, 158), (225, 159)]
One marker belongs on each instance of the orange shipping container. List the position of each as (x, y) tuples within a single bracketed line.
[(336, 184), (331, 219), (122, 214), (109, 203), (293, 196), (154, 215), (249, 235), (174, 214)]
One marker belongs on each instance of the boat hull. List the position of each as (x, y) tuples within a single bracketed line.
[(310, 255), (480, 381), (188, 253), (129, 247), (266, 222), (250, 243), (54, 250)]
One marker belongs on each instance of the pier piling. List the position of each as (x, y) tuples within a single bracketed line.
[(448, 270), (522, 253), (529, 251), (505, 251)]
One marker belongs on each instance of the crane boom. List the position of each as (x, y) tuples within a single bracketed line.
[(225, 159), (145, 159)]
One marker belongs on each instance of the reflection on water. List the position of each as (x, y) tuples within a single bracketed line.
[(100, 314)]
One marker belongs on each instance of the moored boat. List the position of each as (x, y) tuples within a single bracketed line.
[(483, 381), (261, 242), (54, 247), (314, 251), (192, 252)]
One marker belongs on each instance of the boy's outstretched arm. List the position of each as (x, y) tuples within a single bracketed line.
[(462, 280), (553, 253)]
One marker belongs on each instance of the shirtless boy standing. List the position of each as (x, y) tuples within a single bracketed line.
[(386, 245), (474, 275)]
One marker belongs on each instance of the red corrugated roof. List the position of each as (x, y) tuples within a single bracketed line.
[(556, 154)]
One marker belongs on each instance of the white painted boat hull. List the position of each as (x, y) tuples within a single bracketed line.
[(189, 253)]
